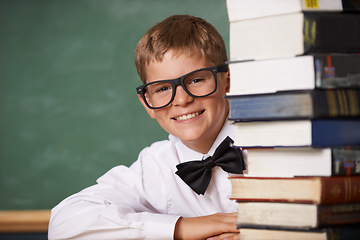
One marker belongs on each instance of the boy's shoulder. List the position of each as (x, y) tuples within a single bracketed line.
[(158, 157), (161, 148)]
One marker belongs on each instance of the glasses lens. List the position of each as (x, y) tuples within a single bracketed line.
[(200, 83), (158, 94)]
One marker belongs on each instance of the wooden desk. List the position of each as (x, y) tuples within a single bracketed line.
[(24, 221)]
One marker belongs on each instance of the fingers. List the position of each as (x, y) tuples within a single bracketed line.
[(203, 227), (226, 236), (228, 221)]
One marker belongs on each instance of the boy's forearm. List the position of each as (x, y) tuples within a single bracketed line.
[(205, 226), (96, 221)]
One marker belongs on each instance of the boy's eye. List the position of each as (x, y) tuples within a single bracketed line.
[(162, 89), (197, 80)]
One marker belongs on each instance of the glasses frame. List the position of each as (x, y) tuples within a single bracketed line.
[(141, 90)]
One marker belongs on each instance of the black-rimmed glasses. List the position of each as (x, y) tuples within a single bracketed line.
[(199, 83)]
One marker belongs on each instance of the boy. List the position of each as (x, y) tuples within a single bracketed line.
[(150, 200)]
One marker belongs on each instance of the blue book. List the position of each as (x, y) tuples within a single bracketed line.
[(299, 104)]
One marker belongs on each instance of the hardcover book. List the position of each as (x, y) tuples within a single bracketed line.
[(296, 215), (294, 34), (327, 71), (316, 190), (245, 9), (291, 162), (295, 105), (351, 232), (333, 132)]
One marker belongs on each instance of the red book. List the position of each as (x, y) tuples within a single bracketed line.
[(318, 190)]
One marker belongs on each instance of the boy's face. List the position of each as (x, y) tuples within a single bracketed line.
[(196, 121)]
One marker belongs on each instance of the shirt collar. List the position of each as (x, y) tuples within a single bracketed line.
[(186, 154)]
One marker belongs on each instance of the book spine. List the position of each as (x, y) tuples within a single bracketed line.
[(335, 132), (331, 32), (336, 103), (338, 214), (351, 232), (345, 161), (350, 5), (340, 190), (337, 70)]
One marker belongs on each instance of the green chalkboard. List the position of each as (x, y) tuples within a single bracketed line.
[(68, 106)]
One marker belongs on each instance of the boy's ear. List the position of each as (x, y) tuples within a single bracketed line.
[(148, 110), (227, 80)]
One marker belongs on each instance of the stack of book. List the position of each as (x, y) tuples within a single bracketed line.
[(295, 107)]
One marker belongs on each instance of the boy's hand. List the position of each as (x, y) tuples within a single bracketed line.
[(205, 227), (226, 236)]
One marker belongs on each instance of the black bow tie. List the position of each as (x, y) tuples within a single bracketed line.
[(197, 174)]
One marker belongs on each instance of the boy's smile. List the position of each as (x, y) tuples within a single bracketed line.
[(196, 121), (188, 116)]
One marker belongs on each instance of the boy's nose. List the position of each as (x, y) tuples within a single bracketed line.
[(181, 97)]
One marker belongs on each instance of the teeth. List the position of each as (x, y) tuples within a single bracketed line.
[(188, 116)]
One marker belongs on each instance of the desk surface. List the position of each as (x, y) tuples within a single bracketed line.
[(24, 221)]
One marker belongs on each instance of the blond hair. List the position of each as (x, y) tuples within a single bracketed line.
[(183, 34)]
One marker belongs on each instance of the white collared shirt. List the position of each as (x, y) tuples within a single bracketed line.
[(145, 200)]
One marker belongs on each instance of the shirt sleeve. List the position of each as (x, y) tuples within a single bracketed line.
[(124, 204)]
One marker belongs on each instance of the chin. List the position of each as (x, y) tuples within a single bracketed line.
[(190, 135)]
